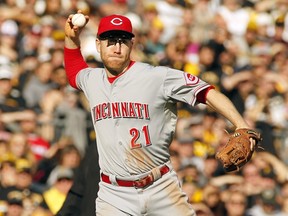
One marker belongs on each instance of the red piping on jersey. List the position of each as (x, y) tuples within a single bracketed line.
[(73, 62), (201, 96), (111, 79)]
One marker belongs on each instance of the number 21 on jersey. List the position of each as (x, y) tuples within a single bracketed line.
[(136, 133)]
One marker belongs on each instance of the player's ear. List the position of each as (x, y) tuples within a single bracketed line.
[(132, 41), (97, 44)]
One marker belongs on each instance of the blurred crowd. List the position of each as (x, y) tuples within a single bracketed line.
[(239, 46)]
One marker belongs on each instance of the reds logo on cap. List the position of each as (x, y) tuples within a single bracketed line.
[(190, 79), (114, 23)]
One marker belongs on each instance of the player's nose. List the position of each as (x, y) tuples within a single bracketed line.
[(117, 47)]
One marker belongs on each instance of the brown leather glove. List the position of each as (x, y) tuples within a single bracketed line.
[(239, 149)]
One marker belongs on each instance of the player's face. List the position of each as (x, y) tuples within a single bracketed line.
[(115, 53)]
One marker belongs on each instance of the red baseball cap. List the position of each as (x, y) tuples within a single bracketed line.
[(115, 24)]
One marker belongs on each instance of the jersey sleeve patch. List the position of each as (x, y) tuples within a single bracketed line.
[(191, 79)]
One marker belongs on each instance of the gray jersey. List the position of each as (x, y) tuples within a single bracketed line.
[(135, 116)]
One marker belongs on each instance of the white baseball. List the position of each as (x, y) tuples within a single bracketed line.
[(78, 20)]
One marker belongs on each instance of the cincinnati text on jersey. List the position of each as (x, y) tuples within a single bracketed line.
[(120, 110)]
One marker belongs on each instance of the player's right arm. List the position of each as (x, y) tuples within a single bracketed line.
[(73, 59)]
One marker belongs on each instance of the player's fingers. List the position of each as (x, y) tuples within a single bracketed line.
[(70, 18), (78, 29), (252, 144), (87, 19), (69, 22)]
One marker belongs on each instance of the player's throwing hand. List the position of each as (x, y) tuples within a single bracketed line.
[(73, 31)]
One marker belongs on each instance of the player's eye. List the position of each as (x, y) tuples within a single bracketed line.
[(111, 41)]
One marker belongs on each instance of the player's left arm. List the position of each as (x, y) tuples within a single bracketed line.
[(222, 105)]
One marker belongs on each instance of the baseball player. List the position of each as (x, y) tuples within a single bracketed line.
[(133, 109)]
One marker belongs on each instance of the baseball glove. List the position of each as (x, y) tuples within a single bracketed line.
[(238, 150)]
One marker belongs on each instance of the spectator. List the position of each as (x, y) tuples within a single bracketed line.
[(14, 204), (235, 16), (252, 185), (267, 205), (221, 42), (178, 49), (8, 40), (37, 144), (7, 175), (186, 151), (53, 7), (236, 204), (150, 15), (271, 167), (49, 162), (33, 198), (28, 65), (30, 42), (264, 114), (38, 84), (209, 135), (3, 146), (201, 145), (59, 78), (190, 173), (153, 48), (71, 120), (19, 147), (212, 198), (171, 14), (10, 98), (208, 69), (56, 194), (80, 200), (62, 115), (202, 210), (211, 169), (192, 190), (107, 7), (47, 24), (57, 58), (69, 158), (202, 22)]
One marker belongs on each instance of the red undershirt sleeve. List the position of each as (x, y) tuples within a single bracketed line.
[(74, 62), (201, 96)]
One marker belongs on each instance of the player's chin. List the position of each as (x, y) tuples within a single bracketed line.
[(114, 68), (116, 65)]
